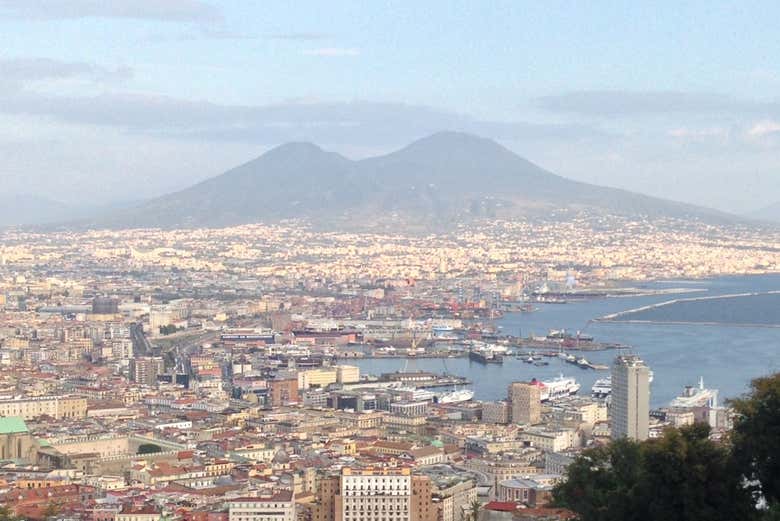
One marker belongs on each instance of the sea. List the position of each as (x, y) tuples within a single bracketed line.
[(718, 340)]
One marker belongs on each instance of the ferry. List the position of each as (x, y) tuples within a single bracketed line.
[(602, 388), (556, 388), (457, 396)]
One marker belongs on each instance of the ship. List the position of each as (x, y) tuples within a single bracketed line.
[(557, 388), (602, 387), (457, 396), (486, 356)]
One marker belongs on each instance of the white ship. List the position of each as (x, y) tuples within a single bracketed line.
[(602, 388), (557, 388), (457, 396)]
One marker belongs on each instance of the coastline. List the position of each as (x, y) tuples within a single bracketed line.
[(616, 318)]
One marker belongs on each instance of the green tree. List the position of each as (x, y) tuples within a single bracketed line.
[(756, 438), (474, 509), (683, 476), (149, 448)]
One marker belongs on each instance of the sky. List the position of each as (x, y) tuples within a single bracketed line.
[(120, 100)]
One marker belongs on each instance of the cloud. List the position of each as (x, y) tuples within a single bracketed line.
[(332, 52), (764, 128), (360, 123), (163, 10), (302, 37), (40, 69), (698, 134), (628, 103)]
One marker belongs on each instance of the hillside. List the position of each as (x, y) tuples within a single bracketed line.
[(443, 178)]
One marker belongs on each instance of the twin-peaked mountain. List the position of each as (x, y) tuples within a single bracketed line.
[(445, 178)]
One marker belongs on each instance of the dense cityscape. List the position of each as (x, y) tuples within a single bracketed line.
[(389, 261), (207, 374)]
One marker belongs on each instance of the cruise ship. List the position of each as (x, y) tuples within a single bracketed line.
[(602, 388), (457, 396), (556, 388)]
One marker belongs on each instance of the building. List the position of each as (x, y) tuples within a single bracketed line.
[(630, 408), (453, 498), (138, 513), (144, 370), (376, 495), (525, 403), (15, 440), (282, 391), (278, 506), (105, 306), (551, 440), (347, 374), (57, 407), (495, 412)]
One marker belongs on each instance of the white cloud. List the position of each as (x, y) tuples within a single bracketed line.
[(764, 128), (164, 10), (701, 133), (332, 51)]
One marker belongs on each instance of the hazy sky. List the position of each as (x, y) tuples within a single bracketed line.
[(123, 99)]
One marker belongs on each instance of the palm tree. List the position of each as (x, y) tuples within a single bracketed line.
[(474, 508)]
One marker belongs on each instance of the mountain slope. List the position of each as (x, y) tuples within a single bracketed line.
[(443, 178)]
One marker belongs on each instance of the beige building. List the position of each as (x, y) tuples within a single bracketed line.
[(347, 374), (279, 506), (630, 408), (495, 412), (525, 403), (58, 407), (550, 440)]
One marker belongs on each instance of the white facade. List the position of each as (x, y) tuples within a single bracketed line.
[(376, 497)]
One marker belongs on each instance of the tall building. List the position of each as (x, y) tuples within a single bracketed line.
[(525, 403), (144, 370), (630, 408)]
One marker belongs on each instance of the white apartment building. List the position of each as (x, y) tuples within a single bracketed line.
[(376, 495)]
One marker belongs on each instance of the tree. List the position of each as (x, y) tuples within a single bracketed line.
[(683, 476), (756, 438), (474, 508), (149, 448), (6, 514)]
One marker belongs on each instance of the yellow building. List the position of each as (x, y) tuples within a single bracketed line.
[(55, 406)]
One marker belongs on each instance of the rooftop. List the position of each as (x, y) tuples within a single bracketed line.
[(12, 425)]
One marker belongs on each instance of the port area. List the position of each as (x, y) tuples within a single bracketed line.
[(569, 344), (420, 379)]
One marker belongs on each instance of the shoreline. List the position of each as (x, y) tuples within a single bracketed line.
[(616, 318)]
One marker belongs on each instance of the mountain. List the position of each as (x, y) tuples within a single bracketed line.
[(444, 178), (769, 213)]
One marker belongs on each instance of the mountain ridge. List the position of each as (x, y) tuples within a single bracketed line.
[(446, 177)]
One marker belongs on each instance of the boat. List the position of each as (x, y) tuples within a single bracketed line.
[(485, 356), (583, 363), (457, 396), (556, 388), (540, 363), (529, 360), (602, 387)]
